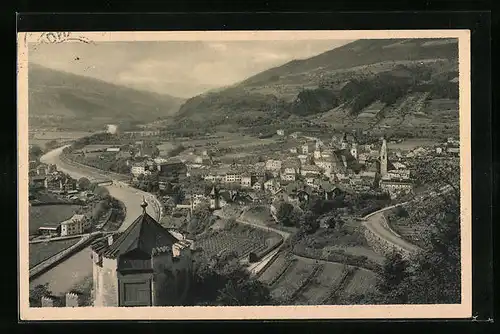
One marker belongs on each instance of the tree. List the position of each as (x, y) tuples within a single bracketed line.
[(222, 281), (35, 152), (309, 222), (285, 214), (36, 294), (84, 183), (393, 273)]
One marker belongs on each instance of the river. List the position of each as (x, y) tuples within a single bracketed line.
[(78, 266), (65, 275)]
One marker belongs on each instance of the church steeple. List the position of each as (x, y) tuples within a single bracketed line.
[(383, 157)]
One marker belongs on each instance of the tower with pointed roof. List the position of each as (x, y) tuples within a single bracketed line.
[(145, 265), (383, 158), (343, 143), (354, 149), (214, 199)]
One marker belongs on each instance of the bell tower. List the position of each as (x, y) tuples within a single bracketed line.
[(383, 158)]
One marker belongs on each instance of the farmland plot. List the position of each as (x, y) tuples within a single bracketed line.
[(229, 242), (322, 284), (362, 282), (274, 270), (292, 280)]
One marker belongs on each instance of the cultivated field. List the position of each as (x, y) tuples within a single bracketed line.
[(237, 241), (362, 281), (40, 252), (41, 137), (49, 215), (303, 281), (295, 278), (275, 270), (321, 285), (258, 215)]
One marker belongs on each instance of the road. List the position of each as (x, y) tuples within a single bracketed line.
[(377, 224), (78, 266)]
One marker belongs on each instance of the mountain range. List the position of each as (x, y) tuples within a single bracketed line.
[(406, 85), (68, 101), (361, 85)]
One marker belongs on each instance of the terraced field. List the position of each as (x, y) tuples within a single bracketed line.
[(292, 280), (302, 281), (227, 241), (320, 286), (275, 270), (362, 281)]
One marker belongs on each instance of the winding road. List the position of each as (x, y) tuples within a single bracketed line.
[(377, 224)]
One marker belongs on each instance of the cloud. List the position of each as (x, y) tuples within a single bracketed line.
[(178, 68)]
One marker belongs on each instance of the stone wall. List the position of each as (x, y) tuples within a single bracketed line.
[(382, 246), (105, 286), (73, 300), (171, 277)]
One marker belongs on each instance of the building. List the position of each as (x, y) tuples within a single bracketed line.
[(78, 224), (214, 199), (50, 230), (310, 170), (146, 265), (396, 187), (38, 182), (113, 149), (138, 168), (273, 165), (272, 185), (280, 132), (233, 177), (172, 169), (258, 184), (383, 158), (288, 176), (247, 180), (42, 170)]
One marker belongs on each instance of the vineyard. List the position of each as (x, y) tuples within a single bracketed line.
[(276, 269), (302, 281), (237, 241), (361, 281), (319, 287), (294, 278)]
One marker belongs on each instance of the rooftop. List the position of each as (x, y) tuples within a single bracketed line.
[(144, 234)]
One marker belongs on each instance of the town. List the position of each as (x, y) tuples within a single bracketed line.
[(243, 173), (197, 189)]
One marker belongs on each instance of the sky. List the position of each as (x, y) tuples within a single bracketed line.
[(178, 68)]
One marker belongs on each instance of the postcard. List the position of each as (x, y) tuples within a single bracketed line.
[(244, 175)]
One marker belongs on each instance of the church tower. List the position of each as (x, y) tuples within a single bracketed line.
[(343, 143), (383, 158), (354, 149), (214, 199)]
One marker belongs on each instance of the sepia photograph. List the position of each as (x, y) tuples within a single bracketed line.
[(306, 174)]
